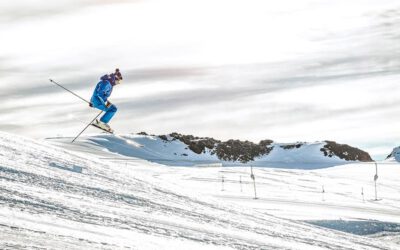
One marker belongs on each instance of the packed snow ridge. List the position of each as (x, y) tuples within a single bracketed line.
[(187, 150)]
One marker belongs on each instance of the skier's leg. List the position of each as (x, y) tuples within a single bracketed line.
[(110, 112), (99, 105)]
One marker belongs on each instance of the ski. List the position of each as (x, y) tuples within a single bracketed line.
[(105, 130)]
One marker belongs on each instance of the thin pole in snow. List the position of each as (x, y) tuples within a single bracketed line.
[(375, 180), (254, 182), (240, 181), (362, 193), (222, 183)]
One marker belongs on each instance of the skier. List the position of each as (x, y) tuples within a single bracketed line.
[(99, 99)]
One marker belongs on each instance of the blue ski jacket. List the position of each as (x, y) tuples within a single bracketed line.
[(101, 92)]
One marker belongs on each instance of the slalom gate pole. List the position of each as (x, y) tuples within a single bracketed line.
[(59, 85), (254, 182), (87, 126), (375, 179)]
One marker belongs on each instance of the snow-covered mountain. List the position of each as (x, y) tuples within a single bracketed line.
[(394, 156), (80, 198), (187, 150)]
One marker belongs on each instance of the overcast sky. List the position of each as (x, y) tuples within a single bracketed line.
[(306, 70)]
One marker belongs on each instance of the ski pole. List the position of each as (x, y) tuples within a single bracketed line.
[(87, 126), (59, 85)]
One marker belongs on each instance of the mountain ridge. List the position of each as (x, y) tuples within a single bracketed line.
[(228, 150), (187, 150)]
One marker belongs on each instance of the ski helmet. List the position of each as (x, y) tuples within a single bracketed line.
[(118, 76)]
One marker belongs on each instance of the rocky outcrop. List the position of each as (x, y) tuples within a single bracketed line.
[(196, 144), (394, 155), (292, 146), (235, 150), (245, 151), (163, 137), (345, 152), (231, 150)]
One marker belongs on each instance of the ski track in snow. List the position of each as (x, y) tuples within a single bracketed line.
[(52, 198)]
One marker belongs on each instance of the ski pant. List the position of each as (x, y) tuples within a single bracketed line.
[(110, 111)]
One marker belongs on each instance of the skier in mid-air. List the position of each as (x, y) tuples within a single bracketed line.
[(99, 99)]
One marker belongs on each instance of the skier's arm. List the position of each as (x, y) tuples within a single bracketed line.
[(103, 90), (101, 100)]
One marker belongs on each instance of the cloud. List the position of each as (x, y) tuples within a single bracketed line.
[(336, 78), (23, 10)]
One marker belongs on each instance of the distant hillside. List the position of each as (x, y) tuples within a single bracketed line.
[(245, 151), (186, 150), (394, 155)]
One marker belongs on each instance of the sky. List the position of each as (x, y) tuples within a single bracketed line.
[(307, 70)]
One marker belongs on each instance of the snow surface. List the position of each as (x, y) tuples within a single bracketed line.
[(57, 195)]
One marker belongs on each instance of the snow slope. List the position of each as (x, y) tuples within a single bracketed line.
[(55, 198), (176, 153)]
